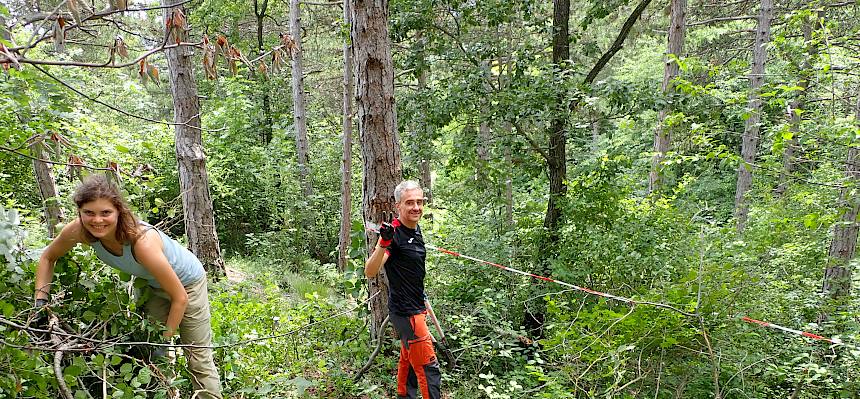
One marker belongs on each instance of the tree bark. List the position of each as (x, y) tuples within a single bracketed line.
[(346, 160), (797, 104), (47, 188), (260, 13), (749, 147), (300, 116), (377, 125), (837, 274), (663, 135), (509, 184), (482, 148), (191, 159), (557, 160)]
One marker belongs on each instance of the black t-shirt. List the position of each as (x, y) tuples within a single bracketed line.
[(405, 270)]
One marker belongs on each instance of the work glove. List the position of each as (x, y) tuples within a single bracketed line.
[(386, 231)]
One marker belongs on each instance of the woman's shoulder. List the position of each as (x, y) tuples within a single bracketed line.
[(74, 231)]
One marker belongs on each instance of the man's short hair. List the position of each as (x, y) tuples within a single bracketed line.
[(405, 185)]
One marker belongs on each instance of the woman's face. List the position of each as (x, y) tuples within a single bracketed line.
[(99, 217)]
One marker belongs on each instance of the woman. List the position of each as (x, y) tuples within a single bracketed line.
[(178, 279)]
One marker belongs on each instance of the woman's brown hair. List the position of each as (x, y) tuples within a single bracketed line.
[(97, 186)]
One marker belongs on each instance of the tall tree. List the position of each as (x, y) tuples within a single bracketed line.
[(300, 116), (377, 125), (749, 146), (190, 157), (346, 160), (47, 187), (675, 47), (260, 8), (557, 154), (797, 105), (837, 274)]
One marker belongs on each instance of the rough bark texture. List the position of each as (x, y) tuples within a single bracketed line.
[(797, 104), (191, 160), (557, 154), (260, 13), (749, 146), (837, 275), (663, 136), (380, 145), (346, 160), (47, 188), (300, 116)]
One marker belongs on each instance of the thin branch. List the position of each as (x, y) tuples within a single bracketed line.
[(107, 64), (722, 19), (126, 113), (13, 151), (312, 3), (618, 43), (531, 142)]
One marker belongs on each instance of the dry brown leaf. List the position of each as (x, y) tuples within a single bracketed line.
[(262, 68), (152, 71), (59, 37), (289, 44), (121, 48), (142, 71), (75, 9)]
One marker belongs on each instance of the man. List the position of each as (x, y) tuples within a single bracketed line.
[(401, 249)]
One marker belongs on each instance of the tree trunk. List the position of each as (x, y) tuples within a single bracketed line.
[(47, 188), (300, 119), (346, 160), (482, 148), (557, 161), (509, 184), (837, 275), (749, 146), (663, 136), (377, 125), (260, 13), (191, 160), (794, 109)]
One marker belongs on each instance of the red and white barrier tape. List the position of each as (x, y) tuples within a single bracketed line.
[(835, 341)]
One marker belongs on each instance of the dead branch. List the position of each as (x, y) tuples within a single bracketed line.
[(722, 19)]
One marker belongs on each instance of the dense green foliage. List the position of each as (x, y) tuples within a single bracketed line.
[(487, 63)]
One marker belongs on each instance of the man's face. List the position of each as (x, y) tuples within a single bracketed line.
[(411, 206)]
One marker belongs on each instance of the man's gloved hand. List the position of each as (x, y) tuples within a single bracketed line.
[(386, 231)]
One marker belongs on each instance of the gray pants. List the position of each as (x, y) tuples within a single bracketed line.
[(194, 329)]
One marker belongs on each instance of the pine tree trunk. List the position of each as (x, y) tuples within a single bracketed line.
[(557, 162), (47, 188), (300, 119), (794, 109), (837, 275), (663, 136), (377, 125), (346, 160), (191, 159), (749, 147)]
